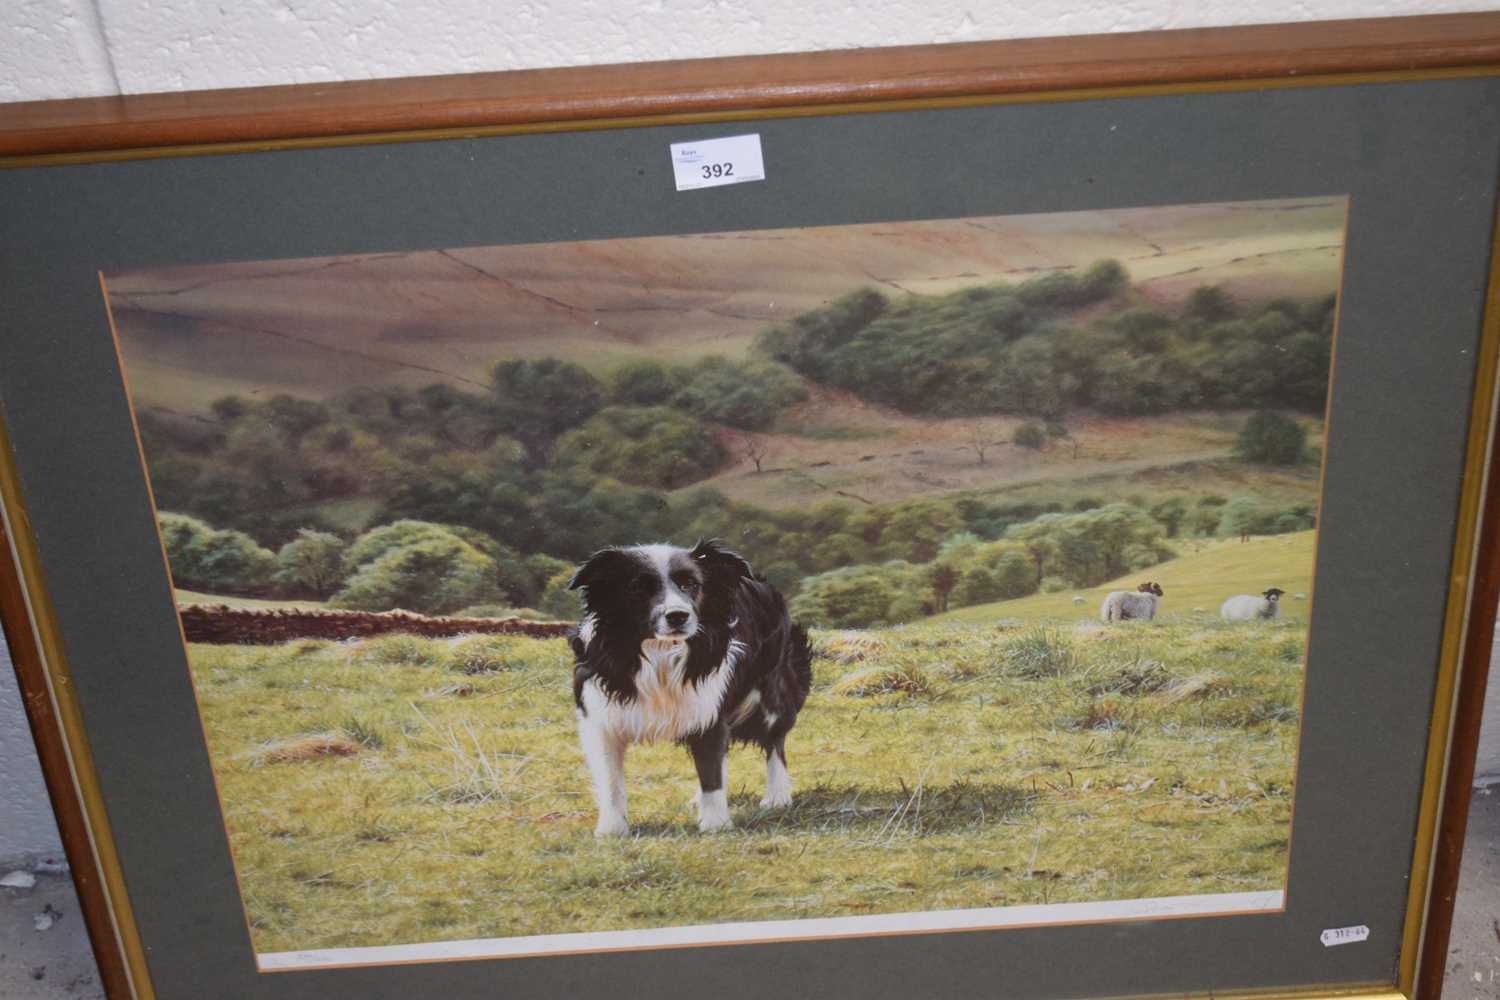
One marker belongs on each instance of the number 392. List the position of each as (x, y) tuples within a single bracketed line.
[(712, 170)]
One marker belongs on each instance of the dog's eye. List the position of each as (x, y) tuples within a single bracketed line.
[(689, 585)]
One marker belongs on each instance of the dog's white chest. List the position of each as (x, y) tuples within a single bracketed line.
[(666, 705)]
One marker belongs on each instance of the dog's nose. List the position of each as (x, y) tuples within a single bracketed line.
[(676, 619)]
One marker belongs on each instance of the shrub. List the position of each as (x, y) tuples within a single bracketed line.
[(558, 601), (206, 558), (534, 401), (1039, 653), (904, 679), (643, 383), (1271, 439), (311, 563), (378, 541), (645, 446), (435, 571), (747, 395), (180, 534), (861, 596), (1030, 435)]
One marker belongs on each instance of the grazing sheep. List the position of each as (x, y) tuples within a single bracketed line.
[(1248, 607), (1078, 600), (1299, 597), (1125, 605)]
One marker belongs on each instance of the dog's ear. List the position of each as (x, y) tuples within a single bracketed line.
[(598, 568), (714, 557)]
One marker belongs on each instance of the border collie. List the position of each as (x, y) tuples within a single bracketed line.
[(686, 645)]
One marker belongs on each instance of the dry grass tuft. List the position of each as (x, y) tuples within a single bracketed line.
[(1103, 713), (485, 654), (307, 748), (904, 679), (1200, 685), (475, 773), (1133, 678), (1039, 653), (397, 650), (847, 647)]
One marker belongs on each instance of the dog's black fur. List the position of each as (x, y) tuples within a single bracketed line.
[(620, 589)]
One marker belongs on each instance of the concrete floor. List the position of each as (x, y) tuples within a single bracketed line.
[(1474, 946), (45, 964), (56, 963)]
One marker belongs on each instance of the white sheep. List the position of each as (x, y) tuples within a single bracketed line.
[(1126, 605), (1077, 600), (1248, 607)]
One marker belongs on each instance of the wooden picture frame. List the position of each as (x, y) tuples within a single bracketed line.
[(1371, 109)]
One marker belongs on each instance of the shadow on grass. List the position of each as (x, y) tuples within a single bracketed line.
[(885, 811)]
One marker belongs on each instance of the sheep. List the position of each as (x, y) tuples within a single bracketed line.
[(1077, 600), (1125, 605), (1299, 597), (1248, 607)]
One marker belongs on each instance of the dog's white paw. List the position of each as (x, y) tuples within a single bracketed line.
[(612, 826), (777, 799), (713, 812)]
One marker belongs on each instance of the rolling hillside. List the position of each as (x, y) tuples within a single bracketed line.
[(835, 446), (313, 327)]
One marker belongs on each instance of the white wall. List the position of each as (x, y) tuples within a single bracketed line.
[(82, 48), (74, 48), (27, 829)]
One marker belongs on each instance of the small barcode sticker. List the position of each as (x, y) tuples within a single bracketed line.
[(1344, 935), (733, 159)]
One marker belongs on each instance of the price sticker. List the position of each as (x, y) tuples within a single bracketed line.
[(733, 159), (1344, 935)]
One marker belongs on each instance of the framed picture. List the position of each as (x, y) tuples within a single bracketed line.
[(985, 520)]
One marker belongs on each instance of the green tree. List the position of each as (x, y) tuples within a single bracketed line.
[(535, 401), (312, 563), (418, 569), (914, 530), (1030, 435), (182, 537), (1237, 518), (943, 578), (1170, 513), (1089, 547), (645, 446), (541, 569), (230, 562), (1104, 278), (1269, 438), (860, 596), (643, 383), (1209, 304), (557, 600), (748, 395), (373, 544)]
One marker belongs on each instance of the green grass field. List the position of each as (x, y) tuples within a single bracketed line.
[(230, 600), (402, 790), (1206, 572)]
